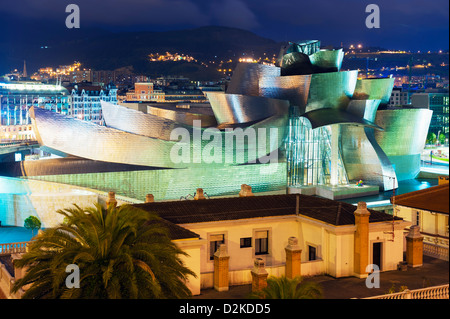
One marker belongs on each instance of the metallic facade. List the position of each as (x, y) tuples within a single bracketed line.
[(374, 89), (239, 109), (139, 146), (403, 138), (321, 123), (294, 88), (245, 78), (364, 159), (328, 59), (185, 117), (331, 90)]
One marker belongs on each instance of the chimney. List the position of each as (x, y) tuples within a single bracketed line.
[(293, 258), (246, 190), (361, 240), (259, 275), (149, 198), (414, 247), (221, 269), (199, 194), (111, 200)]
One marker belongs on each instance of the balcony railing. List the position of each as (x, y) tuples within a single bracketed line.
[(436, 292), (435, 251), (13, 248)]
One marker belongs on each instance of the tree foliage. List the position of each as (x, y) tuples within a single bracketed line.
[(431, 138), (121, 253), (32, 222), (285, 288)]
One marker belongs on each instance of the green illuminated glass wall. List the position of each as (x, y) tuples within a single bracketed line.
[(172, 184), (308, 153)]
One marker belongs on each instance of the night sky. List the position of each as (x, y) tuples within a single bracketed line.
[(405, 24)]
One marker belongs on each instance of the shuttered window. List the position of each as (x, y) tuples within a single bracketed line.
[(261, 242)]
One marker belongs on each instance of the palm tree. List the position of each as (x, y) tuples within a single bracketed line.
[(285, 288), (120, 252)]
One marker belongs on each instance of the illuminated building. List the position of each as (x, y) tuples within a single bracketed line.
[(80, 101), (330, 134), (16, 98), (146, 92), (399, 97), (439, 104), (85, 101), (428, 209)]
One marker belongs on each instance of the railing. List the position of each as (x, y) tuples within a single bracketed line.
[(436, 292), (18, 143), (435, 251), (13, 248)]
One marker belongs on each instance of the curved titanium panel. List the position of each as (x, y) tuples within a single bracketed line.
[(132, 121), (245, 78), (88, 140), (237, 108), (328, 59), (374, 89), (323, 117), (182, 117), (294, 88), (364, 159), (331, 90), (403, 138), (296, 63), (365, 109)]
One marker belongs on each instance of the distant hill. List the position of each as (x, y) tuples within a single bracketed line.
[(103, 50), (47, 43)]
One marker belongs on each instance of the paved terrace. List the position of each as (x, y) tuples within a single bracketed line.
[(434, 272)]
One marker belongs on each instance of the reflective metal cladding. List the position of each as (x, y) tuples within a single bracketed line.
[(327, 123), (374, 89), (331, 90), (328, 59), (245, 79), (403, 138), (294, 88), (238, 109)]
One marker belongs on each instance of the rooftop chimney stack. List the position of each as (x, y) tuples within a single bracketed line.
[(111, 200), (149, 198), (246, 190), (199, 194)]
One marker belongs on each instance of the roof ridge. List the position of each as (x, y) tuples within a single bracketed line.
[(431, 189)]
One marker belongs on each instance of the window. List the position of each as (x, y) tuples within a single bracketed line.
[(417, 220), (214, 242), (261, 242), (312, 253), (246, 242)]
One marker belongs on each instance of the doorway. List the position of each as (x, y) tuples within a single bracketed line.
[(376, 254)]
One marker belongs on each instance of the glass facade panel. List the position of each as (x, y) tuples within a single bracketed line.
[(308, 153)]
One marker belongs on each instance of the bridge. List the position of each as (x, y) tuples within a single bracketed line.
[(9, 148)]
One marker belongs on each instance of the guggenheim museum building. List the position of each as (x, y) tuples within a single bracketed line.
[(302, 125)]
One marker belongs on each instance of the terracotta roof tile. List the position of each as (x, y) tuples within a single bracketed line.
[(235, 208), (433, 199)]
